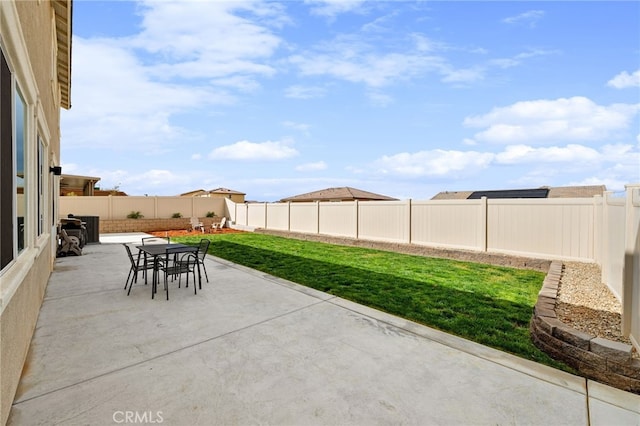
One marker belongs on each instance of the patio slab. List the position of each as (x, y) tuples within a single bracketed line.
[(253, 349)]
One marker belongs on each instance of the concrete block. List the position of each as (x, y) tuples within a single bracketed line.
[(616, 351), (573, 336)]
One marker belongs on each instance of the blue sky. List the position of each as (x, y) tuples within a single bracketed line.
[(401, 98)]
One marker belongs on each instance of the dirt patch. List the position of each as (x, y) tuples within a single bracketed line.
[(463, 255)]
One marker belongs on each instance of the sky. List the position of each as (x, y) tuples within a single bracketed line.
[(400, 98)]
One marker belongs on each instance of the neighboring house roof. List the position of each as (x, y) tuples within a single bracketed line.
[(203, 193), (344, 193), (510, 193), (576, 191), (107, 192), (542, 192), (452, 195), (78, 185), (196, 193), (226, 191)]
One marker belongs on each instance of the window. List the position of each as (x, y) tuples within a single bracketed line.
[(6, 165), (42, 172), (21, 168), (13, 166)]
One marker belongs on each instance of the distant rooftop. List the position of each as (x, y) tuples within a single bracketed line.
[(344, 193), (204, 193), (542, 192)]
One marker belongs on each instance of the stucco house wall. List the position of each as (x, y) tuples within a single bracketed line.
[(35, 43)]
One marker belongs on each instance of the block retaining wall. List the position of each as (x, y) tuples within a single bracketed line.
[(602, 360), (148, 225)]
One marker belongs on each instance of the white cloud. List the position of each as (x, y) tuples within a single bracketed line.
[(124, 92), (625, 80), (301, 127), (463, 75), (209, 39), (543, 121), (515, 154), (537, 164), (196, 156), (520, 57), (379, 99), (331, 8), (304, 92), (374, 70), (373, 63), (436, 162), (312, 167), (245, 150), (529, 18)]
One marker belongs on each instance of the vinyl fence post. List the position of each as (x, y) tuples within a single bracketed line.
[(409, 220), (631, 275), (356, 206), (484, 224)]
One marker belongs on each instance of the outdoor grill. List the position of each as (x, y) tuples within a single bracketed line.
[(75, 228)]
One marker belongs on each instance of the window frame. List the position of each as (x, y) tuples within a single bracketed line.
[(7, 155)]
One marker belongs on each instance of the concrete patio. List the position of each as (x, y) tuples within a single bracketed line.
[(253, 349)]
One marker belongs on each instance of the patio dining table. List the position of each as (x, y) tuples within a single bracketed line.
[(157, 250)]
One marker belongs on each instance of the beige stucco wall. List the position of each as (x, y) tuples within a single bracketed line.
[(115, 207), (17, 324), (27, 36)]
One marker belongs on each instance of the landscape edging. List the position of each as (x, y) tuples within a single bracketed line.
[(595, 358)]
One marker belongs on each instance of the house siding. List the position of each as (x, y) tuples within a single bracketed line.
[(27, 39)]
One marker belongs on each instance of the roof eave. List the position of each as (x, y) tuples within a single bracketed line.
[(63, 14)]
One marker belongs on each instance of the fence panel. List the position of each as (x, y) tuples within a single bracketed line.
[(241, 216), (256, 215), (122, 206), (338, 219), (303, 218), (551, 228), (204, 205), (449, 223), (384, 221), (169, 206), (614, 231), (278, 216)]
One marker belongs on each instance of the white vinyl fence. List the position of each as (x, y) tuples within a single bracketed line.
[(603, 229), (544, 228)]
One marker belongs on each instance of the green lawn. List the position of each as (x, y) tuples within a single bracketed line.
[(491, 305)]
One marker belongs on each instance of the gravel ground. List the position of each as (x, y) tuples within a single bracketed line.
[(588, 305)]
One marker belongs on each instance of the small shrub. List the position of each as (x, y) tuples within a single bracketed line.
[(211, 214), (134, 215), (176, 215)]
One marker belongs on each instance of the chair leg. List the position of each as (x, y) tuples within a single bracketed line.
[(205, 270), (126, 283), (133, 278), (166, 285)]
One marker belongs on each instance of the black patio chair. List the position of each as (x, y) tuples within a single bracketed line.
[(203, 247), (148, 263), (175, 263), (135, 268)]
